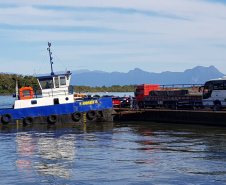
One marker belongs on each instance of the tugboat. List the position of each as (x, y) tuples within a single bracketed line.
[(55, 104)]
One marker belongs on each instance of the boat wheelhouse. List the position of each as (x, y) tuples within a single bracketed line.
[(55, 103), (54, 90)]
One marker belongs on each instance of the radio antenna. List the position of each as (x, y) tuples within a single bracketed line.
[(50, 58)]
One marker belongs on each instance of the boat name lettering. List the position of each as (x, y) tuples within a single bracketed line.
[(88, 102)]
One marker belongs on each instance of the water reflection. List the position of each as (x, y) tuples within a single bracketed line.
[(25, 151), (124, 153), (56, 155), (185, 149), (47, 154), (52, 150)]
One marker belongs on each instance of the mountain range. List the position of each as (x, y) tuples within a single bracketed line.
[(197, 75)]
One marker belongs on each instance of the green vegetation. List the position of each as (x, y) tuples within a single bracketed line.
[(8, 82), (114, 88)]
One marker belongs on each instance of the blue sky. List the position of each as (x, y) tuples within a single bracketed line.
[(112, 35)]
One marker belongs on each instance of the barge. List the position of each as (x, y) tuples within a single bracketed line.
[(55, 104), (205, 105), (196, 117)]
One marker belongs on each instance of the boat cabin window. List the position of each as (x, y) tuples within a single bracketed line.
[(56, 82), (56, 101), (46, 83), (34, 102), (62, 80)]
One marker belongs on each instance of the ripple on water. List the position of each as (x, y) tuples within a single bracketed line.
[(124, 153)]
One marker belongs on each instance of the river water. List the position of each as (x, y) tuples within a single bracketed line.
[(112, 153)]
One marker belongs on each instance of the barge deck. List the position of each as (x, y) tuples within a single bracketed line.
[(202, 116)]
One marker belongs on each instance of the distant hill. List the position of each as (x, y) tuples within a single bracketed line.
[(197, 75)]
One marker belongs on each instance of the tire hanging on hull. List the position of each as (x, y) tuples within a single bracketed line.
[(6, 118), (100, 116), (52, 118), (91, 114), (28, 120), (76, 116)]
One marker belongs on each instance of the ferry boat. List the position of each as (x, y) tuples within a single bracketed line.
[(55, 104)]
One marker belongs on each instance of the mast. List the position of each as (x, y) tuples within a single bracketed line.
[(17, 94), (50, 58)]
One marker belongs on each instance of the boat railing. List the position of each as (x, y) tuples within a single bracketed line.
[(181, 86), (55, 93), (38, 93)]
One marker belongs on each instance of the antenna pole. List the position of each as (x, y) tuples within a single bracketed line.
[(17, 89), (50, 58)]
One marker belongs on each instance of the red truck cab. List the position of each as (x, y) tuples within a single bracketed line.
[(143, 90)]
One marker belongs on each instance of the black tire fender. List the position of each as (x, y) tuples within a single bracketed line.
[(52, 118), (28, 120), (100, 114), (91, 114), (6, 118), (76, 116)]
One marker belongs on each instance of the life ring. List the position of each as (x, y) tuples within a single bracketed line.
[(52, 118), (91, 114), (76, 116), (28, 120), (6, 118), (26, 89)]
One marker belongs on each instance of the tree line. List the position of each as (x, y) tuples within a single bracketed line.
[(8, 84), (113, 88)]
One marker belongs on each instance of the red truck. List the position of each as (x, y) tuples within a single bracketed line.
[(153, 95)]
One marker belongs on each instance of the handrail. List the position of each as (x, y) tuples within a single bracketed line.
[(182, 85), (37, 93)]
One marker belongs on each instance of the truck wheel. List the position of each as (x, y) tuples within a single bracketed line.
[(166, 106), (141, 104), (217, 104), (174, 106)]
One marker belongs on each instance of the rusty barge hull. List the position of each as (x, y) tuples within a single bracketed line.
[(203, 117)]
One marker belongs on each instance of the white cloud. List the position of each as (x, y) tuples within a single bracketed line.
[(185, 32)]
